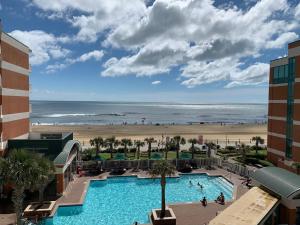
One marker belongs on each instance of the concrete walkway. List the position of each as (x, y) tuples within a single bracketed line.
[(195, 213)]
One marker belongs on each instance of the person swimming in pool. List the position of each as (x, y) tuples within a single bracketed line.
[(191, 183), (200, 185)]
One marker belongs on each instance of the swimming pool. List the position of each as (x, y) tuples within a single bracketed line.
[(124, 200)]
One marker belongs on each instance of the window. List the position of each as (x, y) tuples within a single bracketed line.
[(280, 74), (292, 67), (286, 70)]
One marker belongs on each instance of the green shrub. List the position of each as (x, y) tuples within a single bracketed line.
[(230, 148), (256, 156)]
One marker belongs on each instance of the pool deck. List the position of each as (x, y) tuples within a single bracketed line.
[(186, 213)]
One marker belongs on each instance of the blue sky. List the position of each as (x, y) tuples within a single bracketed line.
[(185, 51)]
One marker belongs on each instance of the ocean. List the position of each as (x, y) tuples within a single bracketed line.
[(104, 113)]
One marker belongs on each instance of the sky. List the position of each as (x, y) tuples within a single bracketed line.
[(185, 51)]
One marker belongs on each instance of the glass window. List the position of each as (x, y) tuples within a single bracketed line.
[(292, 67), (275, 72), (286, 71), (281, 72)]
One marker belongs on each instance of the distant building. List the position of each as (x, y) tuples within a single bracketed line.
[(14, 83), (15, 110), (58, 147), (284, 109)]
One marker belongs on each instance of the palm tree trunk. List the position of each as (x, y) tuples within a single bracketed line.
[(125, 151), (163, 198), (138, 152), (111, 151), (166, 154), (41, 193), (193, 151), (149, 151), (97, 150), (177, 151), (256, 145), (17, 198)]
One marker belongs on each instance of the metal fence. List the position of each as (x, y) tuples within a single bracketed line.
[(178, 163), (236, 168), (148, 164)]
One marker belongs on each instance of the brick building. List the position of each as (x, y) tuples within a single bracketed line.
[(14, 82), (284, 109)]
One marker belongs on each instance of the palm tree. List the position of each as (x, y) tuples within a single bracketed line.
[(138, 144), (258, 140), (163, 169), (21, 170), (178, 141), (210, 146), (45, 175), (125, 142), (111, 143), (169, 144), (149, 141), (193, 141), (98, 142), (243, 151)]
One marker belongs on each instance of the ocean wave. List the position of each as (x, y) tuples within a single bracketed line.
[(57, 115)]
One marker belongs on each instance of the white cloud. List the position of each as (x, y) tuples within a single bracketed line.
[(210, 52), (252, 75), (44, 46), (156, 82), (97, 15), (297, 11), (282, 40), (208, 43), (96, 55)]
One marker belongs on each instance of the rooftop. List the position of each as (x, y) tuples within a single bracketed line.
[(277, 180), (48, 136), (15, 40)]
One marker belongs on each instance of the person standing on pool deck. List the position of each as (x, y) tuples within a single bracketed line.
[(204, 201)]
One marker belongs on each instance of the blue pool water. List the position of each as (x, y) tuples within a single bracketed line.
[(124, 200)]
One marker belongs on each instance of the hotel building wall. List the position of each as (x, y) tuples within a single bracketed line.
[(14, 95), (284, 109)]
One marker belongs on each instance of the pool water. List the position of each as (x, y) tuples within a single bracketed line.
[(124, 200)]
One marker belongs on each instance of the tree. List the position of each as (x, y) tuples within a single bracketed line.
[(169, 145), (44, 176), (210, 146), (162, 169), (243, 151), (98, 142), (193, 141), (20, 169), (149, 141), (258, 140), (125, 142), (138, 144), (178, 141), (111, 143)]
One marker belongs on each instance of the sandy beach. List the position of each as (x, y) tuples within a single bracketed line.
[(214, 132)]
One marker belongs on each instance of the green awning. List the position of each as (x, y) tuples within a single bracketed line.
[(119, 156), (185, 155), (277, 180), (156, 156), (62, 158)]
